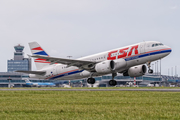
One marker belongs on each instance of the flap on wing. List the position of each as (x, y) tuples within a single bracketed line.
[(32, 72), (70, 62)]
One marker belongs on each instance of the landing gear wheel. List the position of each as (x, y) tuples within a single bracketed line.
[(150, 71), (112, 83), (91, 80)]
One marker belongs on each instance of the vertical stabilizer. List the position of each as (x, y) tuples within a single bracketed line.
[(27, 81), (36, 49)]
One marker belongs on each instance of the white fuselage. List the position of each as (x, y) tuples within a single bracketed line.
[(133, 55)]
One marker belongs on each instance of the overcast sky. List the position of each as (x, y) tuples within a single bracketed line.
[(84, 27)]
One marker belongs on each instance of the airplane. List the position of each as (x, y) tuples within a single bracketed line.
[(130, 61), (32, 84)]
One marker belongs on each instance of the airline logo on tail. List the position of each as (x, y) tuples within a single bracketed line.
[(39, 51), (36, 49)]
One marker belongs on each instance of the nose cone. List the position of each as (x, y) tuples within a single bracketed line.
[(168, 50)]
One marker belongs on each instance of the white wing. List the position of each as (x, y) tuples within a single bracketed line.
[(86, 65)]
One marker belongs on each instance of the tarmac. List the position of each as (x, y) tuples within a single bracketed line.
[(152, 90)]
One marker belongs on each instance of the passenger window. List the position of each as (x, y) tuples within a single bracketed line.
[(153, 45)]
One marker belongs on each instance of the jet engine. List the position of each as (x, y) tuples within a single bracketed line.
[(109, 66), (105, 66), (119, 64), (136, 71)]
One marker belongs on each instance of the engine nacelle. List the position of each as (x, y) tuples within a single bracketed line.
[(105, 67), (119, 64), (85, 73), (136, 71)]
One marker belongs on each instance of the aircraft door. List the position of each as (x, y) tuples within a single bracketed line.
[(142, 47), (54, 69)]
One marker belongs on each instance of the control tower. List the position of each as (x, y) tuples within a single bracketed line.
[(19, 62), (18, 55)]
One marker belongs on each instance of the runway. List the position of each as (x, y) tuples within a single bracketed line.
[(153, 90)]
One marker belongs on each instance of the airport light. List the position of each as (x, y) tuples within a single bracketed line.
[(157, 69), (160, 66), (176, 71), (160, 70)]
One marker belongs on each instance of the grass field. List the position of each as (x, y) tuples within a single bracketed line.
[(88, 105)]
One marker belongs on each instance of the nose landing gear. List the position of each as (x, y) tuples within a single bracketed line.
[(149, 67)]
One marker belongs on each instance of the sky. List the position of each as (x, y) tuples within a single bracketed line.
[(83, 27)]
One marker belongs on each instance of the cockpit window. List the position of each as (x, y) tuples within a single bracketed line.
[(157, 44)]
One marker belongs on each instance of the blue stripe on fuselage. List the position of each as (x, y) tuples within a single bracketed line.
[(66, 74), (147, 54)]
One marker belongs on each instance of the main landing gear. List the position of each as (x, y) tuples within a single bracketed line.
[(91, 80), (149, 67), (113, 82)]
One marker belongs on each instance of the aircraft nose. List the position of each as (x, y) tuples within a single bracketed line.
[(169, 50)]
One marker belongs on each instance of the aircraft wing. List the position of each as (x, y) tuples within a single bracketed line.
[(32, 72), (87, 65)]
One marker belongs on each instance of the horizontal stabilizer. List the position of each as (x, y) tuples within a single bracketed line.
[(33, 72)]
